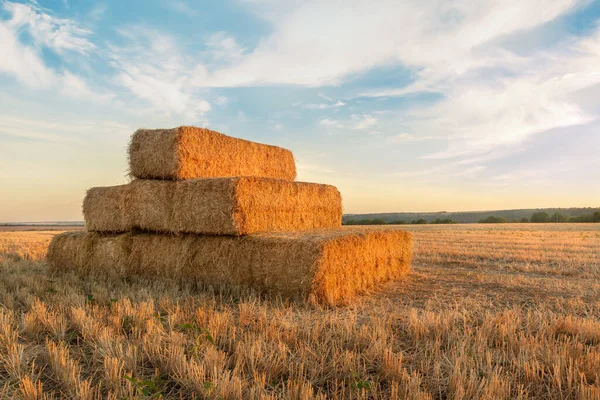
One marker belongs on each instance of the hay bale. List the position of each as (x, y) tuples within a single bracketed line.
[(188, 152), (107, 207), (324, 266), (220, 206), (88, 252)]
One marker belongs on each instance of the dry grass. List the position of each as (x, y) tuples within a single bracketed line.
[(24, 245), (514, 315), (330, 266), (187, 152), (221, 206)]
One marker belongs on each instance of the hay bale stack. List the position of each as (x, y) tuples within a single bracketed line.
[(217, 206), (188, 152), (225, 212), (324, 266)]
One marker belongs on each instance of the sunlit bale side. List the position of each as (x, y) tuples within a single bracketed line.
[(188, 152), (323, 266), (220, 206)]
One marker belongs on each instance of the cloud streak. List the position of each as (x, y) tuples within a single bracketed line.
[(151, 66), (59, 35)]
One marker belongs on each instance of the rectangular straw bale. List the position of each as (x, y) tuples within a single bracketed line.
[(188, 152), (220, 206), (324, 266), (105, 209), (88, 252)]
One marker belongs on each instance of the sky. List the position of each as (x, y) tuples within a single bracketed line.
[(433, 105)]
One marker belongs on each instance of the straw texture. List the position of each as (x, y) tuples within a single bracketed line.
[(323, 266), (221, 206), (188, 152)]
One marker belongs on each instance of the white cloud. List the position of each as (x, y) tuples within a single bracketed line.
[(222, 47), (365, 121), (486, 114), (58, 34), (152, 67), (438, 39), (277, 126), (322, 106), (221, 100), (356, 122), (493, 97), (406, 137), (98, 11), (330, 123), (21, 61), (181, 7), (73, 86)]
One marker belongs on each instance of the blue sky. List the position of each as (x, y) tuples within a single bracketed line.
[(405, 106)]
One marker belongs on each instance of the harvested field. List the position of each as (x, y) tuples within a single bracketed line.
[(221, 206), (324, 266), (20, 245), (41, 227), (187, 152), (489, 312)]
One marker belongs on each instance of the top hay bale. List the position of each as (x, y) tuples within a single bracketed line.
[(189, 152)]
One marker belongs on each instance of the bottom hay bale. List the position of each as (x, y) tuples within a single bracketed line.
[(323, 266)]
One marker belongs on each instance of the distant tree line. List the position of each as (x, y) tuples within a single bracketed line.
[(378, 221), (536, 217), (543, 217)]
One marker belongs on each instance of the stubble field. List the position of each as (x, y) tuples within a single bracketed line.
[(489, 311)]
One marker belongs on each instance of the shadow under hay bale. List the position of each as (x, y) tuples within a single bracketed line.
[(189, 152), (322, 266), (219, 206)]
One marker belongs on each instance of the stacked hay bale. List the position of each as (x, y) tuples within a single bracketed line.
[(226, 212)]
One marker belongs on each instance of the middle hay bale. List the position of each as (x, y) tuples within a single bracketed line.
[(324, 266), (217, 206)]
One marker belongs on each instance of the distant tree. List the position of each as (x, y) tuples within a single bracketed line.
[(558, 217), (524, 220), (540, 217), (398, 222), (443, 221), (493, 220), (419, 221), (358, 222), (596, 217), (377, 221)]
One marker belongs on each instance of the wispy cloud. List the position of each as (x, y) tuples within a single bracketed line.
[(151, 66), (306, 49), (322, 106), (331, 123), (355, 122), (222, 48), (181, 7), (361, 122), (492, 113), (406, 137), (53, 131), (60, 35), (24, 60)]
